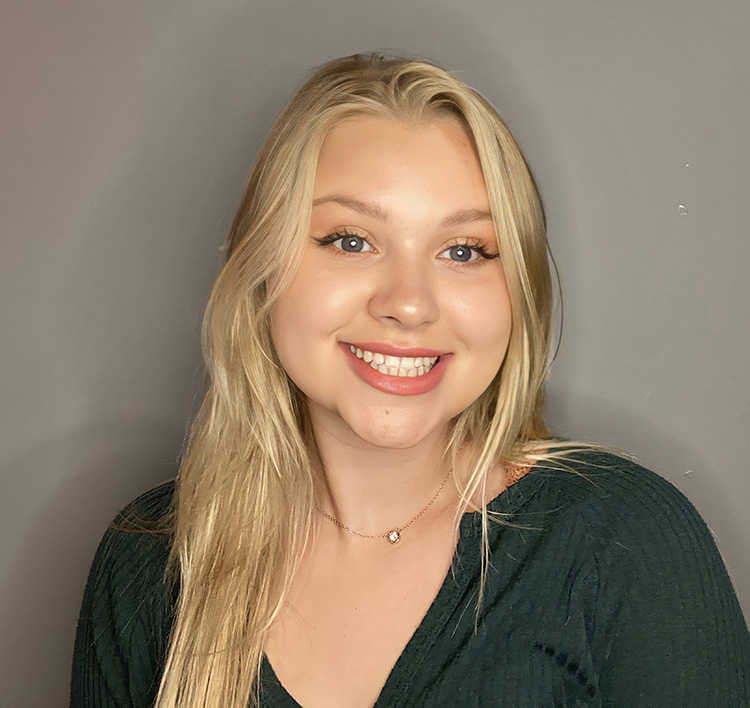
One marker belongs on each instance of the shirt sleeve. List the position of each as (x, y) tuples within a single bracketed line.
[(676, 633), (120, 640)]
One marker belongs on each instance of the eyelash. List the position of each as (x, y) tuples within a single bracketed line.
[(331, 238)]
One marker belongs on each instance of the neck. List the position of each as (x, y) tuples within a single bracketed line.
[(372, 489)]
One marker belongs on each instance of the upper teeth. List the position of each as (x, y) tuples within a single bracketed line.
[(395, 365)]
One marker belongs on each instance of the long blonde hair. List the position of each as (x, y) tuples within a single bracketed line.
[(244, 499)]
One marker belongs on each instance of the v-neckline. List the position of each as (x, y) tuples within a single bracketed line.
[(464, 567)]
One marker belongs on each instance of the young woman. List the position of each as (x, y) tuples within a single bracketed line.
[(371, 510)]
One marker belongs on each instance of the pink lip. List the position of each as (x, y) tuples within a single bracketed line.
[(398, 385)]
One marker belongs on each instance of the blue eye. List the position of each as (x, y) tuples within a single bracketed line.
[(346, 242), (461, 253), (352, 244), (464, 253)]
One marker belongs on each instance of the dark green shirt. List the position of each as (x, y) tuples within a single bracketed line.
[(608, 590)]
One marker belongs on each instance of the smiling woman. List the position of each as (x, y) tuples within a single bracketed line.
[(371, 510), (397, 265)]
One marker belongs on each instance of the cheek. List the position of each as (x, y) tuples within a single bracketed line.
[(485, 316), (292, 325), (500, 319), (306, 318)]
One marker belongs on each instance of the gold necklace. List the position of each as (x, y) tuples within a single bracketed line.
[(394, 535)]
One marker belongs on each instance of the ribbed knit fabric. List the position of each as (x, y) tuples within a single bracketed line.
[(608, 590)]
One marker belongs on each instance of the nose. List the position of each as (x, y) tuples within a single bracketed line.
[(405, 294)]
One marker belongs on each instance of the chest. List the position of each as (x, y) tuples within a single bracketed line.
[(351, 637), (349, 616)]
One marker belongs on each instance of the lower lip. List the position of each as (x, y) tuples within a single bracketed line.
[(398, 385)]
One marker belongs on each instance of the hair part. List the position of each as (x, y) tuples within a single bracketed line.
[(245, 491)]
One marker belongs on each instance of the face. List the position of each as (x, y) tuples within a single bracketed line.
[(399, 316)]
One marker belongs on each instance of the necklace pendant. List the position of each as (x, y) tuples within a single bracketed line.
[(394, 536)]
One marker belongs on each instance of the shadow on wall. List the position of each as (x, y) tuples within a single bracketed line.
[(103, 468)]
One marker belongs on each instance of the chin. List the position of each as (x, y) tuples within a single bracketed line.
[(391, 430)]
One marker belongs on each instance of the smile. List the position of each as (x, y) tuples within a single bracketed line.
[(400, 366)]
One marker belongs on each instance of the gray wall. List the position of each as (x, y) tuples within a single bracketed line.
[(126, 130)]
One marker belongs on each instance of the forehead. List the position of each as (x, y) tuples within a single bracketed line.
[(381, 158)]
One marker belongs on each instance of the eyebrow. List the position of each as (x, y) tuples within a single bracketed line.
[(466, 216), (365, 208), (375, 211)]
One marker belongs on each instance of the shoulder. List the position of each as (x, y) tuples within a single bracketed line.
[(622, 516), (634, 528), (149, 508), (142, 527), (659, 600), (616, 491), (129, 565), (127, 607)]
